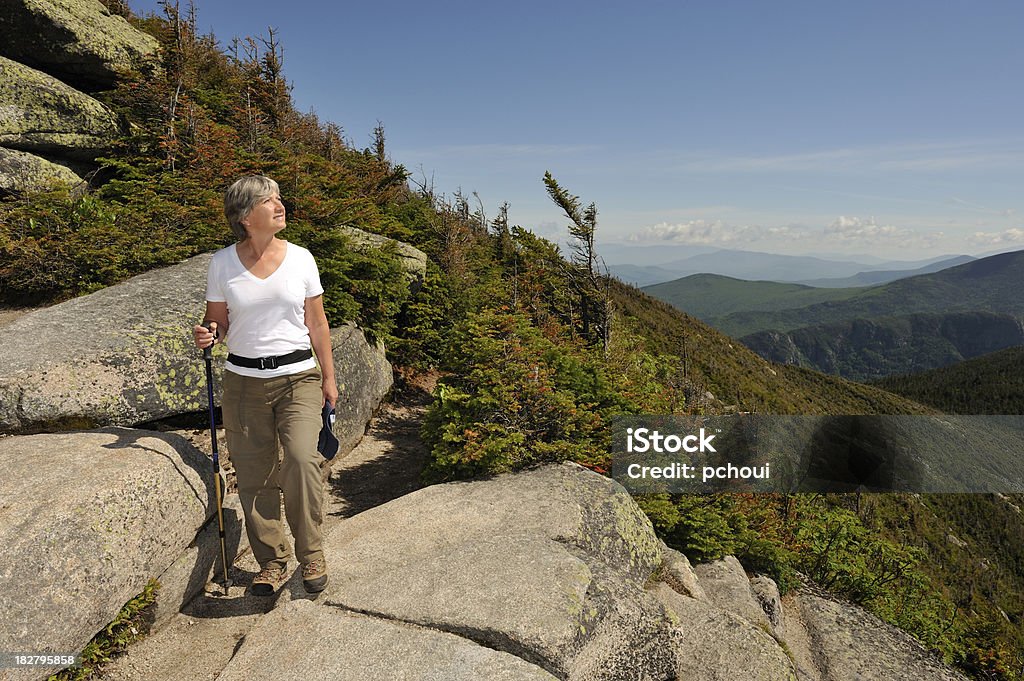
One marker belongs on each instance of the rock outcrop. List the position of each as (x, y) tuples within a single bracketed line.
[(87, 520), (549, 574), (677, 572), (767, 593), (832, 641), (414, 261), (124, 356), (727, 586), (120, 356), (21, 172), (553, 567), (51, 53), (364, 379), (79, 41), (42, 115), (353, 646), (721, 645)]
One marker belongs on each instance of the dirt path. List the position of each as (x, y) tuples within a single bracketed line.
[(198, 642)]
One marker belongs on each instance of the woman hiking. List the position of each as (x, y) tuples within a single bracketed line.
[(265, 301)]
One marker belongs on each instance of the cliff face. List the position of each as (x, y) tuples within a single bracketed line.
[(865, 349), (52, 53)]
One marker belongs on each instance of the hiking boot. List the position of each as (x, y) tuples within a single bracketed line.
[(314, 576), (269, 580)]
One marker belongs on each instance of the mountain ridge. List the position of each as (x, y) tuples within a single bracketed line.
[(875, 277), (989, 284), (869, 349), (707, 296)]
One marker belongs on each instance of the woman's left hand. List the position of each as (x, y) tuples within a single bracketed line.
[(330, 389)]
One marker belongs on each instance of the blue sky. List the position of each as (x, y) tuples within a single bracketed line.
[(887, 128)]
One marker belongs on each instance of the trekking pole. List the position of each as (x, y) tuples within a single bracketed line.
[(208, 356)]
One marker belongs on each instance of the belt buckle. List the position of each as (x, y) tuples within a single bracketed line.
[(268, 362)]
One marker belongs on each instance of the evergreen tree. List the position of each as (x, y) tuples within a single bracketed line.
[(595, 300)]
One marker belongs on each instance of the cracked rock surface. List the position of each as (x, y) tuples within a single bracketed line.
[(85, 519), (330, 643), (547, 573)]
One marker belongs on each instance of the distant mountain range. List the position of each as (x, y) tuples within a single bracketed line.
[(642, 275), (875, 277), (992, 284), (912, 324), (643, 266)]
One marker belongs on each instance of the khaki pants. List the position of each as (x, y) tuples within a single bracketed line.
[(258, 413)]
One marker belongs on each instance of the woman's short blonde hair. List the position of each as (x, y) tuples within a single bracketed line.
[(242, 196)]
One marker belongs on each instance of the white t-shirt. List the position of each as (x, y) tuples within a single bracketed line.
[(266, 317)]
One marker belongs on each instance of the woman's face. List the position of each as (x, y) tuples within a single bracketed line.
[(268, 216)]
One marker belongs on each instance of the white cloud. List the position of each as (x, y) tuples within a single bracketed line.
[(850, 231), (867, 232), (864, 230), (704, 232), (548, 229), (1014, 235)]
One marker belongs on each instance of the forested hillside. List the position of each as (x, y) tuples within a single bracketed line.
[(709, 296), (990, 384), (537, 351), (869, 349), (985, 285)]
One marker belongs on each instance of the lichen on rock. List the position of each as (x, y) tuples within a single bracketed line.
[(79, 41)]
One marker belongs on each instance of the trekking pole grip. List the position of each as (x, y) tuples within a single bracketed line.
[(208, 350)]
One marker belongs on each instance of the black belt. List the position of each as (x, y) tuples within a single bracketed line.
[(270, 362)]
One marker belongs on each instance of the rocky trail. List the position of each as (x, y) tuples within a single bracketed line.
[(199, 641)]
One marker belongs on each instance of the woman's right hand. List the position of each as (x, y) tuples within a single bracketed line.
[(204, 337)]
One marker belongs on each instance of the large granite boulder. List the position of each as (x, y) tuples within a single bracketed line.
[(414, 261), (328, 643), (120, 356), (727, 586), (841, 642), (717, 645), (79, 41), (201, 561), (86, 519), (553, 566), (23, 172), (43, 115), (364, 380), (124, 356)]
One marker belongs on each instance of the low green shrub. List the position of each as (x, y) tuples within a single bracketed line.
[(131, 624)]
